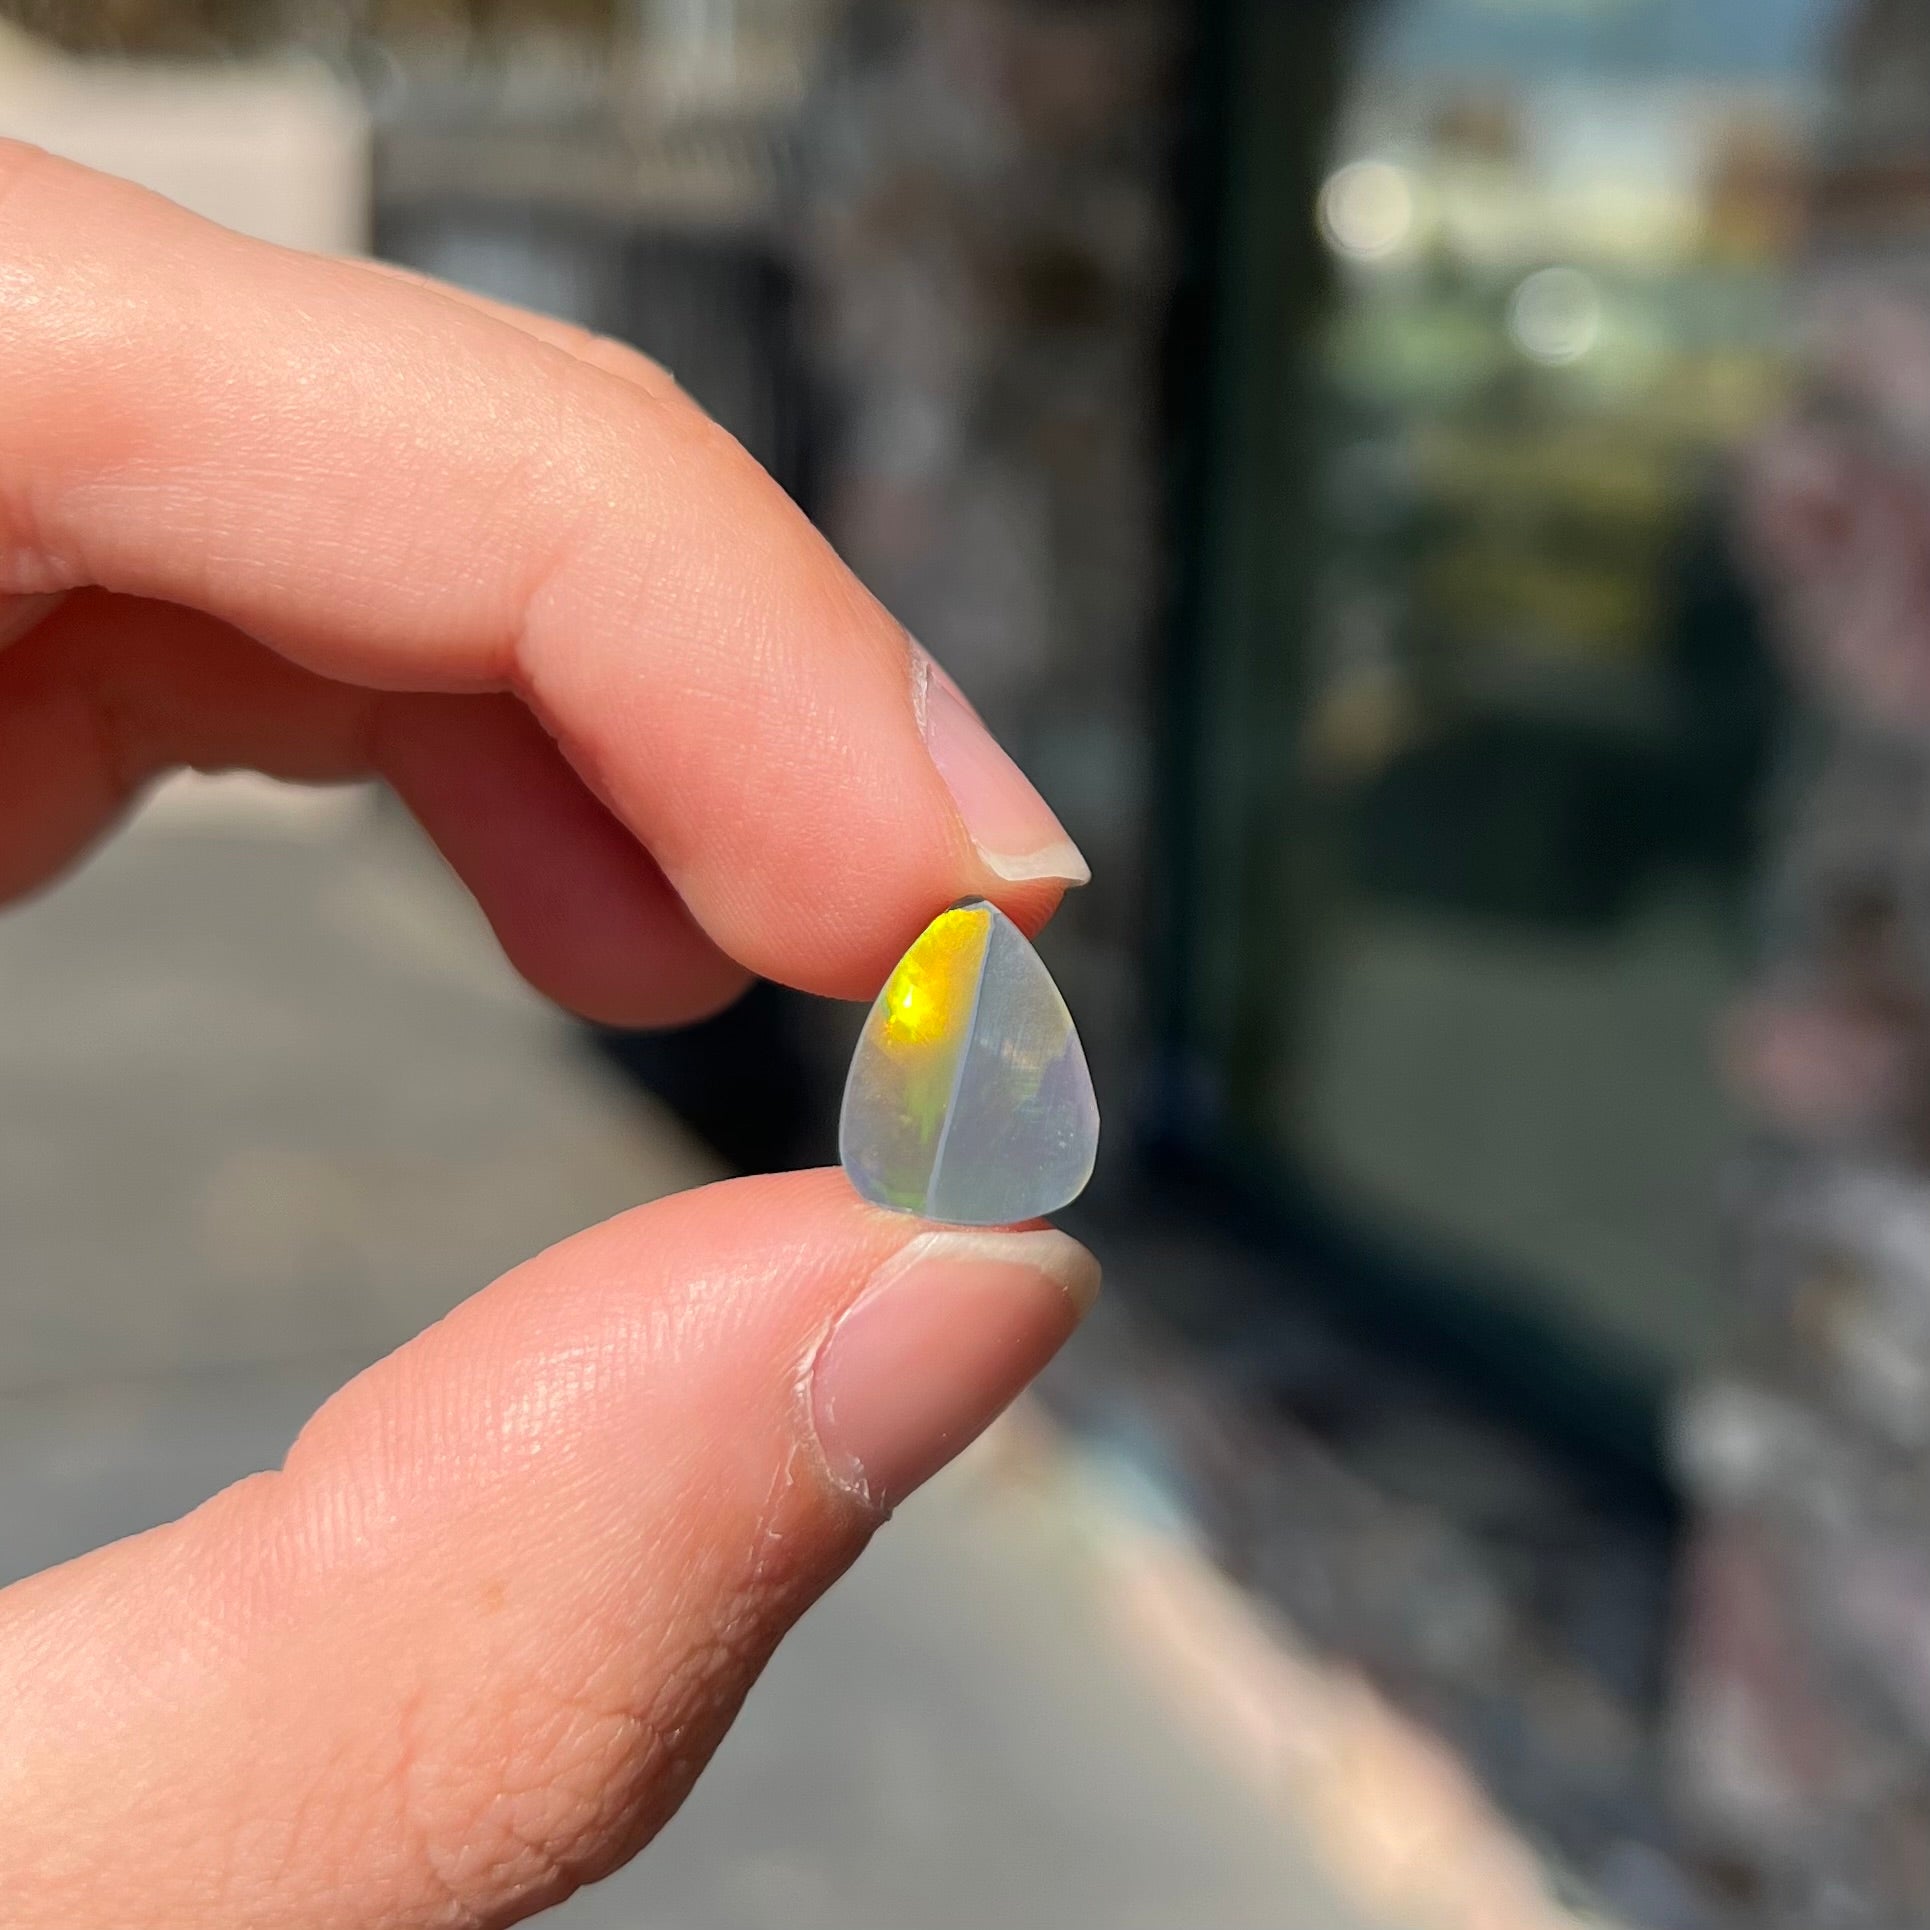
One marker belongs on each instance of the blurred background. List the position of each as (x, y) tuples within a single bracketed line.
[(1437, 493)]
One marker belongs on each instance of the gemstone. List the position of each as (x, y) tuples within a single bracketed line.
[(969, 1100)]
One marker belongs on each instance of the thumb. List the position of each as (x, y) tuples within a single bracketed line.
[(470, 1646)]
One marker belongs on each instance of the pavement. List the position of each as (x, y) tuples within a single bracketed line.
[(268, 1104)]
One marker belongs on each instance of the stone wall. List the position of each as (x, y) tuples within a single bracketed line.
[(1803, 1692)]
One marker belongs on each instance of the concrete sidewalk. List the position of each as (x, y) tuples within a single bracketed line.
[(269, 1103)]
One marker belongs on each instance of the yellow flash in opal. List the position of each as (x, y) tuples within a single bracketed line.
[(969, 1101), (930, 993)]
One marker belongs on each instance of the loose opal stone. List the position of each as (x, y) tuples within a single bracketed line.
[(969, 1099)]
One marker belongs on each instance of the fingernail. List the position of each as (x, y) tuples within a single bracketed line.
[(936, 1347), (1014, 828)]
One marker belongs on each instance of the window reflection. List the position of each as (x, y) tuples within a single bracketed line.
[(1540, 706)]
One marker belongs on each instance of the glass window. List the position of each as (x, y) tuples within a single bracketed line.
[(1482, 748)]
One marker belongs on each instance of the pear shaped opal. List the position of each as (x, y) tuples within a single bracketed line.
[(969, 1100)]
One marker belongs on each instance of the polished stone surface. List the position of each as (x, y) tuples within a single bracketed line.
[(969, 1100)]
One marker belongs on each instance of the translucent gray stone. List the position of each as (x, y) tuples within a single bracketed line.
[(969, 1100)]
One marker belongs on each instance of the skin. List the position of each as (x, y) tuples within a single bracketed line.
[(468, 1648)]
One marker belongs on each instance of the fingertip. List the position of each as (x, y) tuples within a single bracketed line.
[(469, 1648)]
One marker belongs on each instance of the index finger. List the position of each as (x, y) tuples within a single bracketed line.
[(403, 491)]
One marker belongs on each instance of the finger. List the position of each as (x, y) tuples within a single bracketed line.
[(401, 491), (470, 1646), (586, 345), (580, 908), (19, 614), (109, 692)]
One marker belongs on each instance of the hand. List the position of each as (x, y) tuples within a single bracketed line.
[(468, 1648)]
